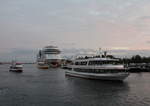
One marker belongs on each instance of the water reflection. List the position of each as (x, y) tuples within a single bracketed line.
[(52, 88), (89, 92)]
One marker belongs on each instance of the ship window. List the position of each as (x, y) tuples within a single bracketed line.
[(76, 63), (95, 62), (81, 63), (84, 63), (91, 62)]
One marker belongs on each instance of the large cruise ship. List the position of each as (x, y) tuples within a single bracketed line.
[(49, 56), (97, 67)]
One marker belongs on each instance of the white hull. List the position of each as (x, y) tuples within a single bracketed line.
[(105, 76), (16, 67)]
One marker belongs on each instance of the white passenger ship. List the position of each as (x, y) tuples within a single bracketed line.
[(98, 68), (48, 57)]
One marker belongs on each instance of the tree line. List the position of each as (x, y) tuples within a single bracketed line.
[(133, 59), (136, 59)]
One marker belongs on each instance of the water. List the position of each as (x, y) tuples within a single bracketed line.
[(35, 87)]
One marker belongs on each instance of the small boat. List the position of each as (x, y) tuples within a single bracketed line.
[(16, 67)]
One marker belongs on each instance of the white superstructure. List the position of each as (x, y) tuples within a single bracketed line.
[(98, 68), (49, 56)]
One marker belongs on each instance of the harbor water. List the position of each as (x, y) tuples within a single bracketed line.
[(37, 87)]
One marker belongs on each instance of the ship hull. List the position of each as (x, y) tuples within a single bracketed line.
[(53, 63), (43, 67), (107, 76), (16, 70), (49, 64)]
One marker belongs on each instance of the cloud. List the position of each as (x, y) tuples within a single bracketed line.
[(144, 17), (120, 48), (148, 42), (30, 24), (22, 55)]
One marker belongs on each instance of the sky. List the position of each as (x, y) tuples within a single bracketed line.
[(88, 24)]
